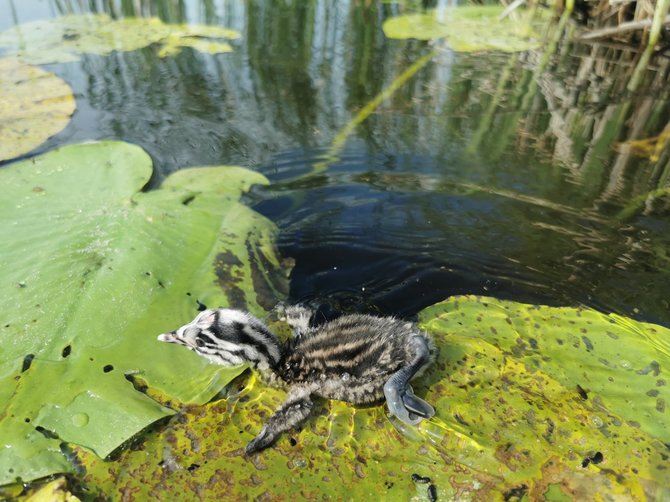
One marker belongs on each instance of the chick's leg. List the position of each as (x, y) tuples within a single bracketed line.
[(293, 411), (399, 394)]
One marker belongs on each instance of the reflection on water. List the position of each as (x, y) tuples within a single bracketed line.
[(494, 174), (401, 232)]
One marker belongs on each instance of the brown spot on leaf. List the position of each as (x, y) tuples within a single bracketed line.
[(660, 405), (582, 393), (358, 469), (516, 493), (27, 362), (653, 367)]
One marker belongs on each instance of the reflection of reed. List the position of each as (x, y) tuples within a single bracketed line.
[(578, 108), (172, 10), (587, 91), (593, 117)]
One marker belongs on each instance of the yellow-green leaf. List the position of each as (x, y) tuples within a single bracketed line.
[(465, 28), (174, 45), (532, 403), (64, 39), (34, 105), (54, 491)]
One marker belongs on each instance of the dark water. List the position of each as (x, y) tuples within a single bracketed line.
[(485, 173)]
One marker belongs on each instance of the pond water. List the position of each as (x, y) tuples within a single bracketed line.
[(484, 173)]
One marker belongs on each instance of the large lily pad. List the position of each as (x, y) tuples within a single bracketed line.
[(64, 39), (466, 29), (91, 270), (532, 403), (35, 104)]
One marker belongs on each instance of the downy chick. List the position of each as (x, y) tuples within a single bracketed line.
[(355, 358)]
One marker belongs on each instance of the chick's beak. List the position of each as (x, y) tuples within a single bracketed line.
[(168, 337)]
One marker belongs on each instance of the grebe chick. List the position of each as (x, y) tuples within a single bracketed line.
[(354, 358)]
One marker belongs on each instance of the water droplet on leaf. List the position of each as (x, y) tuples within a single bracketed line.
[(80, 419)]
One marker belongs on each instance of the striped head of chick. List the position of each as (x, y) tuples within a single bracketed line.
[(360, 359), (229, 338)]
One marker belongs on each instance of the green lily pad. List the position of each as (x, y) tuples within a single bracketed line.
[(35, 104), (64, 39), (532, 402), (92, 269), (466, 29)]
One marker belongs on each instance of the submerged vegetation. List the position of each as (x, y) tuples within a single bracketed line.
[(569, 104)]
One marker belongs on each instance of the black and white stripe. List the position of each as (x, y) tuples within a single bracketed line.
[(355, 358)]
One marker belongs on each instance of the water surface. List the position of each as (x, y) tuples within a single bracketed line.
[(485, 173)]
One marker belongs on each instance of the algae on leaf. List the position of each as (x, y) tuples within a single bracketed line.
[(466, 29), (567, 396), (64, 39), (92, 269), (34, 105), (525, 408)]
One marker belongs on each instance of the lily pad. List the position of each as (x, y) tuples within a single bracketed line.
[(64, 39), (532, 402), (35, 104), (466, 29), (92, 268), (54, 491)]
